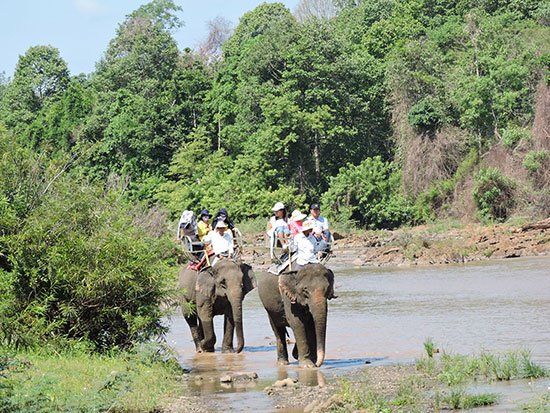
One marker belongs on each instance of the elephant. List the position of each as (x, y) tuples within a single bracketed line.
[(299, 300), (215, 291)]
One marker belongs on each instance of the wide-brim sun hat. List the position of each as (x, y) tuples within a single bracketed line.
[(307, 226), (221, 224), (297, 216), (278, 206)]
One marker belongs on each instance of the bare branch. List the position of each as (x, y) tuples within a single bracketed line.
[(219, 30)]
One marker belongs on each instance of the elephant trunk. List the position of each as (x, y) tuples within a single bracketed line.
[(236, 305), (319, 313)]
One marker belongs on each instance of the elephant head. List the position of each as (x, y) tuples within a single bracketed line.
[(227, 282), (308, 291)]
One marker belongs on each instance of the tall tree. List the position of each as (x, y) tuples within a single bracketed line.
[(137, 122), (252, 66), (41, 75)]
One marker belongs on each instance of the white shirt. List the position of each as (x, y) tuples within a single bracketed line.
[(221, 244), (307, 248), (275, 223), (321, 223)]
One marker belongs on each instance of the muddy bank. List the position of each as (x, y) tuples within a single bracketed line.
[(424, 245)]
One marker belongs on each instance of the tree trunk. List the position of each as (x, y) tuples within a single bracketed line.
[(317, 158)]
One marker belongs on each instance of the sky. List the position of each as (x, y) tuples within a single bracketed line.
[(82, 29)]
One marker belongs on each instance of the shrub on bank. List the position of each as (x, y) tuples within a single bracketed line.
[(368, 195), (534, 160), (493, 194), (77, 261)]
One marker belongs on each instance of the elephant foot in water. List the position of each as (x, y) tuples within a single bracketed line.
[(282, 362), (307, 364), (228, 350)]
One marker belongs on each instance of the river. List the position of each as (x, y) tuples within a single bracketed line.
[(383, 316)]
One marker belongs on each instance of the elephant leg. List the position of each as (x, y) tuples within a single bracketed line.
[(196, 330), (280, 335), (298, 325), (207, 321), (228, 329), (311, 341)]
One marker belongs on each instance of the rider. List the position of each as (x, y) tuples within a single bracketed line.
[(296, 222), (223, 216), (320, 223), (307, 246), (278, 224), (203, 226), (220, 241)]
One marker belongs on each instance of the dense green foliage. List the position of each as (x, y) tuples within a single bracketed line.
[(383, 113), (291, 103), (78, 261), (368, 195)]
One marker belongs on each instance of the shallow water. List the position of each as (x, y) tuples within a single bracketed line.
[(383, 316)]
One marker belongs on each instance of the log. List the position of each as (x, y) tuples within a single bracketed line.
[(544, 224)]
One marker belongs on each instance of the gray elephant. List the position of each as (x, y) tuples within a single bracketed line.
[(299, 300), (215, 291)]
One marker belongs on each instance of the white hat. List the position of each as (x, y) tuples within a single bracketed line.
[(308, 225), (221, 224), (278, 206), (297, 216)]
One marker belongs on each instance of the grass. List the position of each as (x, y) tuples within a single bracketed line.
[(429, 347), (77, 381), (539, 405), (444, 226), (458, 399), (363, 398), (442, 383)]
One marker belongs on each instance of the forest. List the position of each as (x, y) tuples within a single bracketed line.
[(387, 112)]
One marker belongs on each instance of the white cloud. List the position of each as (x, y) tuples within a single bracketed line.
[(88, 6)]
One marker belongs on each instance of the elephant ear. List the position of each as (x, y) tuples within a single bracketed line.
[(330, 291), (290, 286), (206, 284), (249, 278)]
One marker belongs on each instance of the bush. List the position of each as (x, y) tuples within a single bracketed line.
[(368, 195), (433, 200), (534, 160), (493, 194), (511, 136), (79, 262), (427, 114)]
